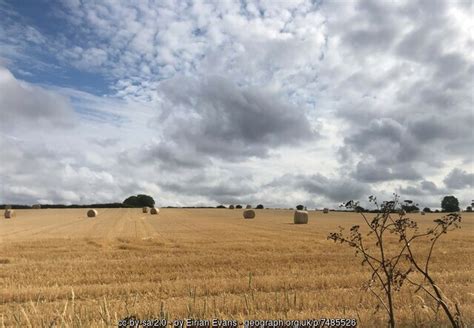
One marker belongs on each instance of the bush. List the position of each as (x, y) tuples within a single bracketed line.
[(259, 207), (238, 206), (299, 207), (410, 207), (359, 209), (427, 210), (139, 201), (450, 204)]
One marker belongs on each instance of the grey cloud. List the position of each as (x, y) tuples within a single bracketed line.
[(432, 127), (428, 186), (215, 118), (172, 156), (459, 179), (384, 140), (422, 189), (105, 142), (230, 190), (372, 172), (427, 104), (317, 185), (22, 103)]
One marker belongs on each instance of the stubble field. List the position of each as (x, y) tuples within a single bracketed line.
[(60, 268)]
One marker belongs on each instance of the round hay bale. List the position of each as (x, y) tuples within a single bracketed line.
[(154, 211), (92, 213), (422, 213), (300, 217), (231, 207), (248, 207), (36, 206), (326, 210), (145, 209), (9, 214), (249, 214)]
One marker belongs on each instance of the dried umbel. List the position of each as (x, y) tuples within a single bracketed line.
[(300, 217), (393, 267)]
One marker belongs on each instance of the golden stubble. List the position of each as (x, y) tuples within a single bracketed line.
[(60, 267)]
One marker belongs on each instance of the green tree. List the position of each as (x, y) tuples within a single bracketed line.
[(450, 204), (409, 206), (259, 207), (299, 207), (139, 201)]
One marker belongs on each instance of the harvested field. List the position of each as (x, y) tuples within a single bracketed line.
[(59, 266)]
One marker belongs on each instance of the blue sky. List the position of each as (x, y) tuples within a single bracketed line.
[(201, 103)]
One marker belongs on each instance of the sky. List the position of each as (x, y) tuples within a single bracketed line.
[(226, 102)]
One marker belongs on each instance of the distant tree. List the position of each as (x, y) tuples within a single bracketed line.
[(427, 210), (450, 204), (259, 207), (359, 209), (238, 206), (469, 209), (220, 206), (299, 207), (410, 207), (139, 201)]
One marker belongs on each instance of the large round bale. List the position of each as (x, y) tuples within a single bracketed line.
[(154, 211), (145, 209), (249, 214), (36, 206), (231, 207), (92, 213), (326, 210), (248, 207), (9, 214), (300, 217), (422, 213)]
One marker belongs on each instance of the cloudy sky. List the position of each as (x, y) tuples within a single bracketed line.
[(201, 103)]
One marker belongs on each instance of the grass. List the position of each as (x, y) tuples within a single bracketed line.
[(59, 267)]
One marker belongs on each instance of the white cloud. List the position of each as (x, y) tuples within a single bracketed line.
[(22, 103), (387, 89)]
